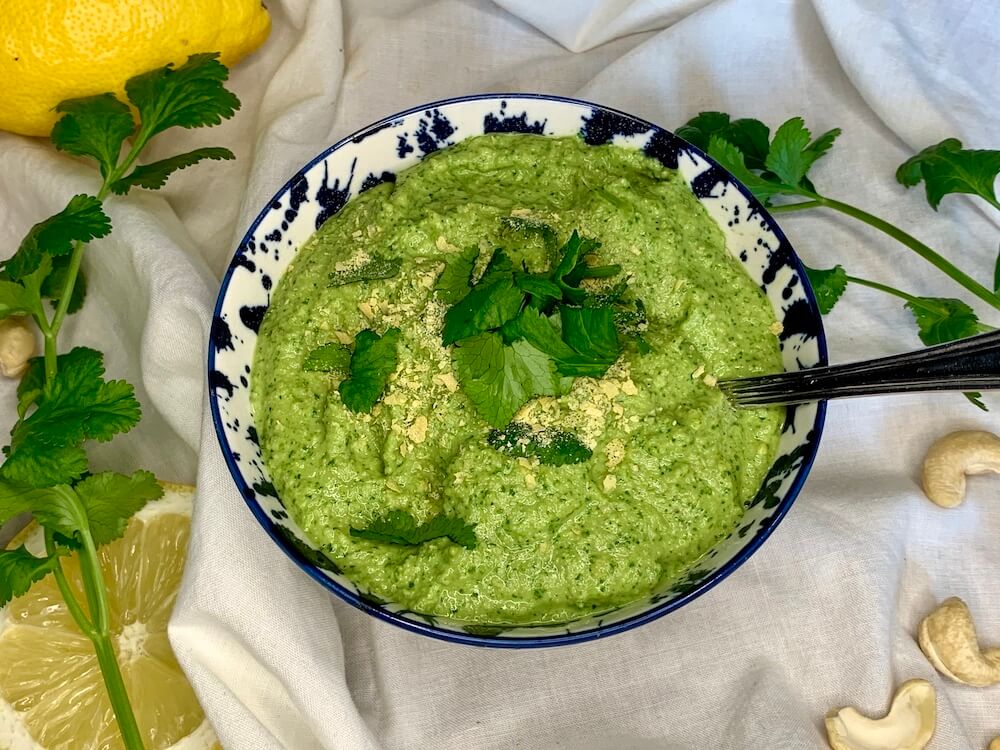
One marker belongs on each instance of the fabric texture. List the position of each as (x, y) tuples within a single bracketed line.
[(823, 615)]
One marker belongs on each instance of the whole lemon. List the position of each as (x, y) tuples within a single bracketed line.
[(51, 50)]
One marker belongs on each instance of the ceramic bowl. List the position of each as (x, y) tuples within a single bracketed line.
[(376, 154)]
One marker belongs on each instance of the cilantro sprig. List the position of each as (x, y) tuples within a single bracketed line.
[(64, 400), (776, 169), (519, 334), (400, 527)]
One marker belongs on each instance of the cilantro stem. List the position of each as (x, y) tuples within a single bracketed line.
[(75, 610), (911, 299), (787, 208), (929, 254)]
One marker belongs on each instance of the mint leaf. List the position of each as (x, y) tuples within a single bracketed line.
[(111, 499), (19, 569), (491, 303), (940, 319), (79, 405), (334, 358), (55, 281), (82, 220), (455, 280), (828, 285), (191, 96), (377, 267), (591, 332), (154, 175), (731, 159), (947, 168), (400, 527), (94, 126), (551, 447), (373, 361)]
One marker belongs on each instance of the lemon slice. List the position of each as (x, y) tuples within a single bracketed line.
[(52, 696)]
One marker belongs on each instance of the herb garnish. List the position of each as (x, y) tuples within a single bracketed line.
[(518, 334), (399, 527), (374, 359), (778, 167), (64, 399), (455, 280), (551, 447), (376, 267)]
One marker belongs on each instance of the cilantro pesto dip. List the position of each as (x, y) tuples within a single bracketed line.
[(652, 466)]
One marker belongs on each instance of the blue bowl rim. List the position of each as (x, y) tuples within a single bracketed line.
[(601, 631)]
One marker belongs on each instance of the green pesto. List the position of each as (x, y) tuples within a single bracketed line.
[(554, 542)]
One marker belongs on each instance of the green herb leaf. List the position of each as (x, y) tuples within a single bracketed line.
[(373, 361), (537, 330), (331, 357), (55, 508), (191, 96), (455, 280), (492, 302), (19, 569), (154, 175), (79, 405), (591, 332), (941, 319), (94, 126), (751, 137), (731, 158), (375, 268), (500, 379), (946, 168), (399, 527), (976, 398), (789, 157), (551, 447), (111, 499), (16, 300), (539, 286), (82, 220), (700, 128), (828, 285), (55, 281)]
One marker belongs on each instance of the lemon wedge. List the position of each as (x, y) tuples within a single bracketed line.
[(52, 696)]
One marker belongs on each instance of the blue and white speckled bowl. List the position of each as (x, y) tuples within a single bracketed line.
[(376, 154)]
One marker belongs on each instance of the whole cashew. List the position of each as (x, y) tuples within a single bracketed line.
[(954, 456), (948, 638), (17, 346), (909, 725), (995, 745)]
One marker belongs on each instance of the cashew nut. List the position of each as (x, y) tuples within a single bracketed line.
[(909, 724), (954, 456), (995, 745), (948, 637), (17, 346)]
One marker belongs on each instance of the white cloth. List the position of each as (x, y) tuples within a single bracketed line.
[(824, 615)]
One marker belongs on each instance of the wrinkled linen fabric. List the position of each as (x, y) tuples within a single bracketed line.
[(823, 615)]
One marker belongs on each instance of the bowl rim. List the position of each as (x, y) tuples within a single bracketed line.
[(560, 639)]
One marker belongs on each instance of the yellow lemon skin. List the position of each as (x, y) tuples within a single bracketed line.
[(51, 50)]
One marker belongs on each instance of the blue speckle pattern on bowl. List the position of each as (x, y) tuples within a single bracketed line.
[(376, 155)]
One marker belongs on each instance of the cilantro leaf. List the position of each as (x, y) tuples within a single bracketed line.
[(591, 332), (377, 267), (499, 379), (55, 507), (537, 330), (16, 300), (328, 358), (551, 447), (940, 319), (19, 569), (55, 281), (455, 280), (828, 285), (492, 302), (789, 157), (731, 158), (700, 128), (94, 126), (154, 175), (583, 271), (190, 96), (751, 137), (946, 168), (82, 220), (538, 286), (373, 361), (400, 527), (111, 499), (79, 405)]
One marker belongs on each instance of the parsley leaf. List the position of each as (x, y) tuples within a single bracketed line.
[(940, 319), (551, 447), (79, 405), (331, 357), (828, 285), (946, 168), (190, 96), (377, 267), (82, 220), (19, 569), (111, 499), (455, 280), (373, 361), (94, 126), (400, 527), (154, 175), (499, 379)]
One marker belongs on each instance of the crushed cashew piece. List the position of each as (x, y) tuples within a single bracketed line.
[(366, 310), (711, 381), (444, 246), (698, 372), (776, 328), (447, 380), (610, 482), (628, 387)]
